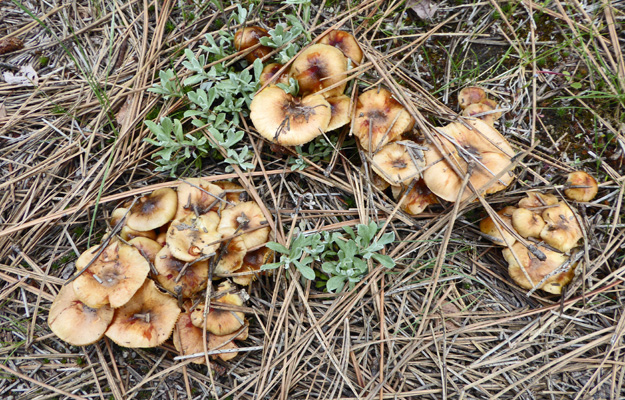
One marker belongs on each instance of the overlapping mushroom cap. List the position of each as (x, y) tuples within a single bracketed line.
[(319, 67), (416, 199), (500, 233), (340, 107), (154, 210), (197, 196), (192, 237), (247, 220), (178, 276), (219, 321), (483, 146), (584, 187), (396, 163), (562, 230), (345, 42), (248, 37)]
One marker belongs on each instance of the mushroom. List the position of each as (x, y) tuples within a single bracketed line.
[(319, 67), (538, 200), (197, 196), (416, 199), (225, 342), (583, 186), (269, 71), (235, 193), (153, 210), (252, 262), (562, 230), (493, 106), (482, 146), (147, 320), (185, 278), (246, 219), (231, 256), (379, 119), (340, 107), (344, 41), (188, 338), (396, 163), (481, 111), (147, 247), (125, 232), (287, 120), (76, 323), (488, 227), (248, 37), (537, 270), (113, 278), (220, 322), (470, 95), (193, 237), (527, 223)]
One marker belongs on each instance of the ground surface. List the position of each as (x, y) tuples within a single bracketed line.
[(445, 322)]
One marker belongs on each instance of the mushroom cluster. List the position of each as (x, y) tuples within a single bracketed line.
[(540, 234), (162, 253)]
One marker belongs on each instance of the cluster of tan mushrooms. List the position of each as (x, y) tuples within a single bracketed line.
[(180, 240), (541, 234)]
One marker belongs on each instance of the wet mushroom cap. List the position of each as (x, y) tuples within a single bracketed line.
[(197, 196), (588, 189), (147, 320), (287, 120), (488, 227), (250, 36), (76, 323), (344, 41), (396, 165), (269, 71), (527, 223), (246, 219), (113, 278), (482, 145), (538, 270), (193, 237), (153, 210), (169, 268), (379, 119), (319, 67), (340, 107), (538, 200), (416, 199), (220, 322), (470, 95), (562, 231)]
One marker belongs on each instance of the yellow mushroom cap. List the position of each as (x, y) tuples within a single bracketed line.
[(246, 218), (235, 193), (562, 230), (146, 247), (153, 210), (318, 67), (527, 223), (340, 107), (470, 95), (188, 338), (481, 111), (231, 256), (198, 196), (147, 320), (589, 188), (218, 321), (379, 119), (76, 323), (416, 199), (249, 36), (396, 165), (113, 278), (270, 71), (287, 120), (488, 226), (485, 146), (252, 262), (169, 268), (346, 42), (538, 270), (192, 237), (538, 200), (225, 342)]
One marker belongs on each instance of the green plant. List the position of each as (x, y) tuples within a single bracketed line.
[(314, 151), (343, 259)]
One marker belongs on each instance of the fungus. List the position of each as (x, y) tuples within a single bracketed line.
[(269, 71), (346, 42), (192, 237), (220, 322), (248, 37), (113, 278), (481, 111), (493, 106), (562, 231), (225, 342), (153, 210), (76, 323), (246, 219), (416, 199), (482, 146), (396, 165), (527, 223), (537, 270), (583, 186), (125, 232), (235, 193), (147, 247), (538, 200), (147, 320), (197, 196), (188, 338), (341, 116), (252, 262), (231, 256), (470, 95), (488, 227), (379, 119), (287, 120), (185, 278), (319, 67)]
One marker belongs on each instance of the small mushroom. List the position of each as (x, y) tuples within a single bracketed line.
[(287, 120), (470, 95), (340, 107), (379, 119), (482, 146), (235, 193), (147, 320), (488, 227), (220, 322), (584, 187), (538, 200), (178, 276), (225, 342), (346, 42), (269, 71), (153, 210), (252, 262), (188, 338), (113, 278), (481, 111), (147, 247), (76, 323), (125, 232), (493, 106), (246, 219), (527, 223), (396, 165), (537, 270), (248, 37), (197, 196), (416, 199), (231, 256), (319, 67), (193, 237), (562, 231)]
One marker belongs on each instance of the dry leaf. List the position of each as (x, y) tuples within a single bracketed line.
[(26, 76), (424, 9), (3, 111), (9, 44), (122, 116)]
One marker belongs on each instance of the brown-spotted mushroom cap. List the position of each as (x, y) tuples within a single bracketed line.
[(76, 323), (318, 67), (527, 223), (379, 119), (340, 107), (147, 247), (235, 193), (231, 256), (225, 342), (153, 210), (287, 120), (113, 278), (248, 37), (147, 320), (488, 226), (194, 278), (584, 187), (482, 145), (537, 270), (396, 163), (481, 111), (197, 196), (346, 42), (246, 218), (562, 230), (538, 200), (220, 321), (125, 232), (269, 71), (252, 262), (470, 95), (188, 338), (493, 105), (193, 237), (416, 199)]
